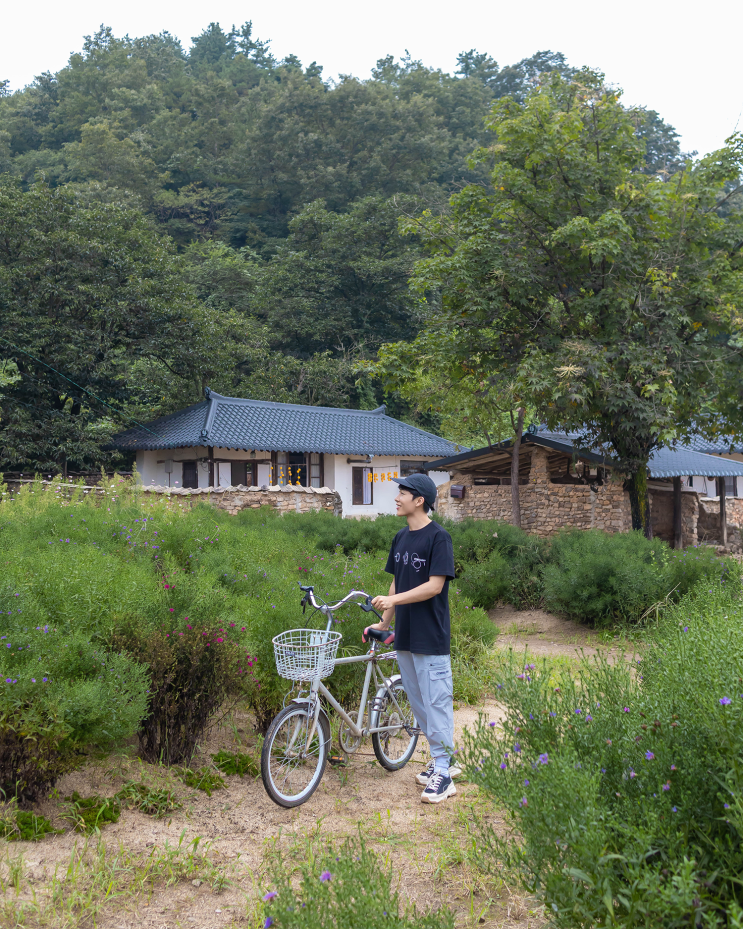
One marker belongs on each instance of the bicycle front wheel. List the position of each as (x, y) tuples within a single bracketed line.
[(394, 748), (291, 766)]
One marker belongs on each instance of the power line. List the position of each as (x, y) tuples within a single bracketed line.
[(79, 387)]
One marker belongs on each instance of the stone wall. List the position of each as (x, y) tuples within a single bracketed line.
[(709, 521), (546, 507), (288, 499), (661, 516)]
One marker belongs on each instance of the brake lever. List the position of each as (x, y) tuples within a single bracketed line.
[(368, 608)]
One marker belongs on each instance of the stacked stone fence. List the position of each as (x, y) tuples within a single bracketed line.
[(285, 499)]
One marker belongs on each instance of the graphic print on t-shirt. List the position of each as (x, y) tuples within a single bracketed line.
[(415, 557)]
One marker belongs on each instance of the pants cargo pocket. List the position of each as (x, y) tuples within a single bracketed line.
[(441, 689)]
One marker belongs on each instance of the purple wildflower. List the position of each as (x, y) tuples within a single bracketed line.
[(649, 756), (326, 876), (544, 758), (269, 896), (724, 701)]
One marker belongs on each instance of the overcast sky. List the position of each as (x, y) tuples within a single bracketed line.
[(680, 60)]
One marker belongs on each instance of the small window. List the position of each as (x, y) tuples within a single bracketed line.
[(242, 473), (362, 487), (190, 477), (411, 467), (731, 488), (315, 470)]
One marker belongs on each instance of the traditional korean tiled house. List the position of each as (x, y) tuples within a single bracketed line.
[(229, 442), (564, 486)]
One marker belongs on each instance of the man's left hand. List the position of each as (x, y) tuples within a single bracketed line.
[(382, 603)]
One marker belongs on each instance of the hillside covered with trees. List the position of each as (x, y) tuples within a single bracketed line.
[(174, 218)]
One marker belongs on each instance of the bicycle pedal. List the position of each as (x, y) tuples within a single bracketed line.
[(337, 761)]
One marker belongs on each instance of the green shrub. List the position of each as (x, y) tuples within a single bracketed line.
[(497, 561), (205, 779), (237, 763), (596, 576), (346, 886), (22, 826), (192, 672), (59, 693), (625, 785), (487, 582)]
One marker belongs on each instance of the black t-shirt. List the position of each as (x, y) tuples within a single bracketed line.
[(423, 627)]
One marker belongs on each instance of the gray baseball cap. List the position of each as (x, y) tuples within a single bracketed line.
[(420, 485)]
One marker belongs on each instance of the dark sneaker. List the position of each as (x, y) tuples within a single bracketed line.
[(423, 776), (439, 788)]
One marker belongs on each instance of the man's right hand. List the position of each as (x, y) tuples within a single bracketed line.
[(375, 626)]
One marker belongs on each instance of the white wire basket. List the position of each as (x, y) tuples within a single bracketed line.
[(301, 653)]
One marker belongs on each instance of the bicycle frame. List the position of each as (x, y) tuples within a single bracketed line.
[(372, 660)]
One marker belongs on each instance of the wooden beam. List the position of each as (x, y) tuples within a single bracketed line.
[(677, 530), (723, 512), (210, 453)]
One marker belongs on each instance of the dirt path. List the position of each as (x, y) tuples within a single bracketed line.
[(429, 847), (545, 634)]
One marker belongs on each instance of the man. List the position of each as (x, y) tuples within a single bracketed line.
[(422, 562)]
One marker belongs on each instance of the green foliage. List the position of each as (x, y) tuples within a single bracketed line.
[(60, 691), (88, 814), (22, 826), (563, 286), (155, 801), (625, 786), (205, 779), (598, 577), (136, 573), (238, 763), (192, 672), (118, 296), (345, 886)]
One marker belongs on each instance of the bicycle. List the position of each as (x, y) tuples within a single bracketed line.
[(296, 746)]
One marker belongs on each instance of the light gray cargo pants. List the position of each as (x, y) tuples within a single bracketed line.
[(428, 683)]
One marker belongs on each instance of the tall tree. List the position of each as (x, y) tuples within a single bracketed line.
[(611, 295), (85, 292)]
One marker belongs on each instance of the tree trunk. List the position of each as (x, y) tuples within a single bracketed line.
[(723, 512), (639, 502), (515, 499), (678, 541)]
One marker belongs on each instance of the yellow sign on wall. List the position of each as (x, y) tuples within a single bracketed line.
[(380, 476)]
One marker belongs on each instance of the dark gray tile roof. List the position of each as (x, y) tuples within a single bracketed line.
[(664, 462), (230, 422)]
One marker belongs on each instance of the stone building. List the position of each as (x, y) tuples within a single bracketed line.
[(564, 487)]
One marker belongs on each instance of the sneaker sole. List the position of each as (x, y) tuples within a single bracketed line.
[(439, 798)]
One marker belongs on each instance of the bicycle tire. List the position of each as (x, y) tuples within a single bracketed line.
[(294, 789), (385, 715)]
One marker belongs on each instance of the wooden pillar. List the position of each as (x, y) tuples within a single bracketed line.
[(210, 453), (678, 541), (723, 512)]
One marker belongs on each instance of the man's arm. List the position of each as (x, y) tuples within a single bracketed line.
[(434, 585)]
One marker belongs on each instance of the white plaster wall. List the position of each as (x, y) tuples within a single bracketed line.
[(151, 464), (338, 474), (385, 490)]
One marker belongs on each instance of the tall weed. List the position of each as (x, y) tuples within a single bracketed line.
[(624, 782)]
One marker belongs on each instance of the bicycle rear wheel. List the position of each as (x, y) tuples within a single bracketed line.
[(291, 768), (395, 748)]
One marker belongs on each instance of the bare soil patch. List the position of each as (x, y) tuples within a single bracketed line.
[(544, 634), (429, 848)]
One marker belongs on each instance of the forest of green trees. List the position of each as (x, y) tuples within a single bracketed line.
[(172, 219)]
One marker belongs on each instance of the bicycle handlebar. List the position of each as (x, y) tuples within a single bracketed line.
[(309, 597)]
